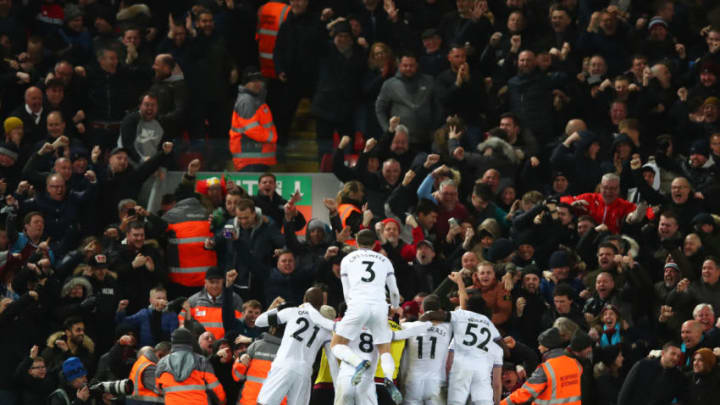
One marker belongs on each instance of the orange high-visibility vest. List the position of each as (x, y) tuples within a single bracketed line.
[(140, 394), (253, 140), (344, 211), (562, 386), (270, 18), (192, 390), (188, 259), (254, 375), (207, 313)]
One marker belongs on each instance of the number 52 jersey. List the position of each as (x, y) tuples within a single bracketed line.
[(474, 333)]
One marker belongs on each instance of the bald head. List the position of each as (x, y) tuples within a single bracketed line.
[(691, 333), (314, 296), (575, 125), (33, 99)]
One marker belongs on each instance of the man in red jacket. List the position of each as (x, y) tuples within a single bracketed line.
[(607, 207)]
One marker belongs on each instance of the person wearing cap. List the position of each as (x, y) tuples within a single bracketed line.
[(184, 377), (253, 136), (607, 373), (73, 387), (108, 294), (529, 306), (556, 380), (205, 306), (699, 168), (118, 180), (433, 60), (708, 82), (660, 43), (341, 66), (141, 132), (73, 38), (656, 380)]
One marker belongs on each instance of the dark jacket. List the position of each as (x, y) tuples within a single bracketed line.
[(172, 103), (530, 97), (109, 95), (34, 391), (117, 186), (650, 383), (339, 76), (296, 48)]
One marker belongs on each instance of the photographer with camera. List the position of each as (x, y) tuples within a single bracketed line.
[(73, 388)]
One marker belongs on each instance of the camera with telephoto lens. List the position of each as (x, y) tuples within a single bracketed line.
[(117, 387)]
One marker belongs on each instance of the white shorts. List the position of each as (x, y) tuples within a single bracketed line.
[(372, 316), (473, 382), (282, 382), (361, 394), (421, 390)]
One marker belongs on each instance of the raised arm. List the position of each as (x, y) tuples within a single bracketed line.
[(456, 277)]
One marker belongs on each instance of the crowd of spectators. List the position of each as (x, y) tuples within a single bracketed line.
[(564, 156)]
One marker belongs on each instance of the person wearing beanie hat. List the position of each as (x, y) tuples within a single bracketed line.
[(252, 126), (185, 377), (705, 378), (556, 380), (608, 379), (529, 306), (73, 384), (500, 251), (11, 124), (559, 265)]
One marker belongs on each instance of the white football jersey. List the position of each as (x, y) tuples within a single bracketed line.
[(474, 335), (306, 330), (365, 274), (426, 353)]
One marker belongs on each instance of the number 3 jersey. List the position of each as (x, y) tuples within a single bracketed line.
[(305, 332), (474, 335), (364, 274)]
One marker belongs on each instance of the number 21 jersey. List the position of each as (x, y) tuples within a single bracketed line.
[(303, 337)]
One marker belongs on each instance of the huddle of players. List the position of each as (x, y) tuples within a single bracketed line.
[(363, 336)]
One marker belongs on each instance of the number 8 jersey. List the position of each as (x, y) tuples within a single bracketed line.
[(474, 333)]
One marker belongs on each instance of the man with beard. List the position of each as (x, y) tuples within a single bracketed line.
[(169, 85), (141, 133), (69, 342), (529, 307)]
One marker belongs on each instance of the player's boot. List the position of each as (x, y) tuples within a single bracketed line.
[(359, 370), (392, 389)]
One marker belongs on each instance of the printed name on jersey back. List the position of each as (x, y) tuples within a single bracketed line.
[(365, 254), (438, 330)]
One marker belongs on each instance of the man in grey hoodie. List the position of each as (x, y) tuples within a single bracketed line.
[(410, 96)]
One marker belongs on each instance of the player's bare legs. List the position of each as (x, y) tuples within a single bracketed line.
[(388, 367), (341, 350)]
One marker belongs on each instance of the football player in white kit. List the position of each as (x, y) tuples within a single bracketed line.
[(346, 391), (424, 360), (306, 331), (365, 274), (475, 359)]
